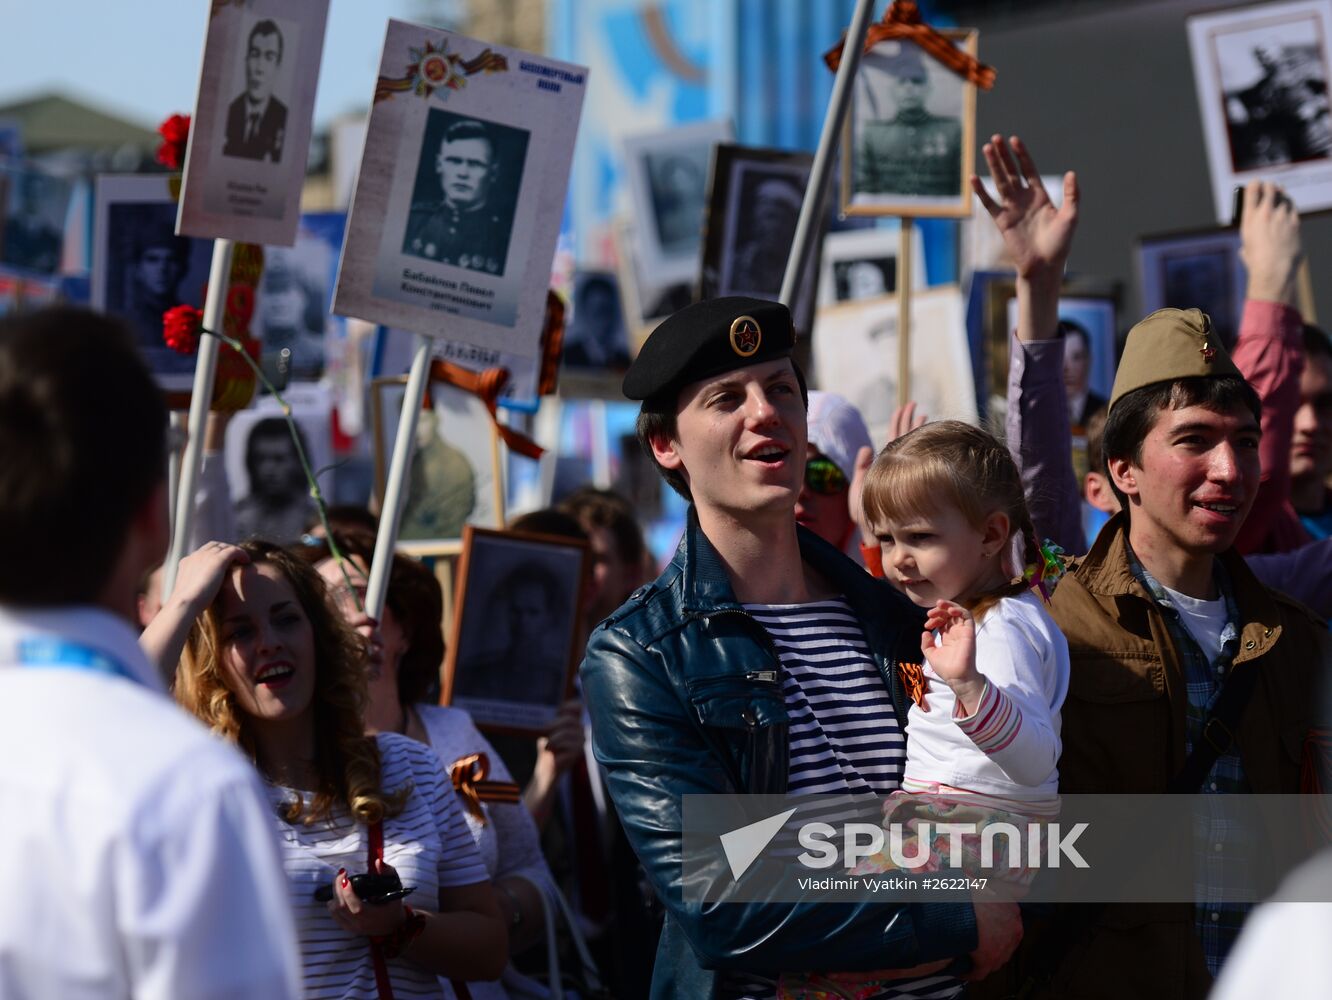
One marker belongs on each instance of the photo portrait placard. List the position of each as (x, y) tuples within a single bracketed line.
[(861, 264), (668, 182), (250, 135), (34, 206), (1199, 269), (753, 207), (141, 268), (1262, 74), (516, 630), (909, 138), (461, 189)]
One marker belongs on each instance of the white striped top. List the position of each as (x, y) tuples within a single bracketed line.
[(428, 844), (844, 734)]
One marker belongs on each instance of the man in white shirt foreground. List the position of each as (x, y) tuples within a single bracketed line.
[(140, 854)]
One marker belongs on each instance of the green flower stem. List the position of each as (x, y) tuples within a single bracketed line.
[(315, 493)]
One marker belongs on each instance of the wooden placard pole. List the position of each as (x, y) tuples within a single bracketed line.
[(904, 311), (395, 491), (201, 395), (807, 227)]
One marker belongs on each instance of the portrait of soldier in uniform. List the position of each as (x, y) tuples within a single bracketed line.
[(462, 207), (256, 120), (905, 148), (32, 237), (765, 233)]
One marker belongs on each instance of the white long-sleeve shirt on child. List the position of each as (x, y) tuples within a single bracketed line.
[(1010, 743)]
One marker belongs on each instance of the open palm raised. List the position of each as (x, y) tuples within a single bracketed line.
[(1038, 235)]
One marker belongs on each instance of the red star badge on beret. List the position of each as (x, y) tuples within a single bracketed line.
[(745, 336)]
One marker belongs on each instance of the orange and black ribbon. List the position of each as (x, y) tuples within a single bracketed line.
[(486, 387), (904, 23), (913, 679), (435, 68), (469, 776)]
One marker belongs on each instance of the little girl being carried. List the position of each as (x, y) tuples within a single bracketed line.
[(946, 502)]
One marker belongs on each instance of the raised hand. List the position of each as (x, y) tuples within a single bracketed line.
[(1038, 235), (1270, 243), (954, 658)]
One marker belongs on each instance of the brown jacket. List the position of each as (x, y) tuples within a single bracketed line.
[(1124, 731)]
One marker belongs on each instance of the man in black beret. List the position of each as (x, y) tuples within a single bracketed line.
[(733, 672)]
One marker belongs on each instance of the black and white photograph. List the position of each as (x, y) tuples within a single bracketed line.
[(667, 174), (256, 123), (269, 492), (141, 268), (1261, 74), (292, 299), (461, 190), (861, 264), (250, 133), (511, 657), (1200, 269), (454, 477), (35, 207), (595, 336), (753, 207), (910, 134), (467, 179)]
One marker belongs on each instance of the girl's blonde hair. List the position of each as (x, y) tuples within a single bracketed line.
[(952, 463), (346, 761)]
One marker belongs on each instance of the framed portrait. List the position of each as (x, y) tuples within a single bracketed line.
[(516, 630), (461, 190), (595, 338), (141, 268), (456, 477), (910, 133), (1087, 306), (250, 133), (668, 182), (1198, 269), (644, 304), (34, 206), (269, 493), (861, 264), (291, 302), (1262, 74), (753, 207), (855, 355)]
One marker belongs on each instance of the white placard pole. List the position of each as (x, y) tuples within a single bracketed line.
[(395, 492), (807, 228), (205, 368)]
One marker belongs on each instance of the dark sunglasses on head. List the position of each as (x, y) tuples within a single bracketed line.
[(823, 476)]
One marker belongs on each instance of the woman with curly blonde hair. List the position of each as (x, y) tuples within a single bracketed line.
[(270, 664)]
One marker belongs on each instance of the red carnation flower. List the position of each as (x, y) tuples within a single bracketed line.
[(175, 131), (181, 326)]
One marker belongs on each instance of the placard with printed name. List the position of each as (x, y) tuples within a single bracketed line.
[(458, 203), (250, 135)]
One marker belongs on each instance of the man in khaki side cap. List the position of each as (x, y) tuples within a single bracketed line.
[(1188, 675)]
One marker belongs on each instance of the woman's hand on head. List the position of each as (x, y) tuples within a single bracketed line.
[(200, 574)]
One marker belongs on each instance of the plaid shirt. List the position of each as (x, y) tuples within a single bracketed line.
[(1217, 877)]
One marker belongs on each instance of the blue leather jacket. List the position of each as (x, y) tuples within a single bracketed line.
[(684, 689)]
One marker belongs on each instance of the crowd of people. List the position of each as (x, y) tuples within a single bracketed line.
[(928, 622)]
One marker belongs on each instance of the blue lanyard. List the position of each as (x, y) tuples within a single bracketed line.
[(48, 652)]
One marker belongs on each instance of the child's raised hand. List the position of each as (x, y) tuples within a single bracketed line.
[(954, 658)]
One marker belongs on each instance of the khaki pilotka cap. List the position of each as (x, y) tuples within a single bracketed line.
[(1171, 344)]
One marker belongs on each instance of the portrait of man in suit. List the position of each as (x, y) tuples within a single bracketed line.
[(256, 120)]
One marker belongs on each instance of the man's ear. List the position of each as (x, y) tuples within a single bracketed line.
[(1124, 474), (1096, 491), (666, 452), (995, 532)]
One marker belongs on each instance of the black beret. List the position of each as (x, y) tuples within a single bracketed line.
[(709, 338)]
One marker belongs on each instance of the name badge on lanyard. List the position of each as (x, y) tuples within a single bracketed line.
[(62, 654)]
